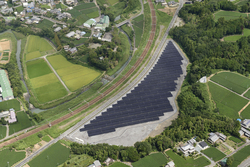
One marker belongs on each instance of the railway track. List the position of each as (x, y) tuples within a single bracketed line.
[(138, 62)]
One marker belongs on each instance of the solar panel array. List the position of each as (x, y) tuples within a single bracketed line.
[(145, 103)]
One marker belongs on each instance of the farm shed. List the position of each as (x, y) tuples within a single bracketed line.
[(246, 123), (89, 23), (70, 34), (57, 29), (221, 136), (5, 89), (213, 138)]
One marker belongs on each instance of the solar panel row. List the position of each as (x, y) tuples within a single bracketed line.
[(145, 103)]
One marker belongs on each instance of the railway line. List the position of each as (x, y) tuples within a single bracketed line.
[(138, 62)]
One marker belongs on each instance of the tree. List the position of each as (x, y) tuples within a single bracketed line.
[(3, 121), (229, 161)]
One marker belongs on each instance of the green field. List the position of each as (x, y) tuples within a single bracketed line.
[(214, 153), (138, 27), (45, 84), (235, 139), (46, 138), (2, 131), (60, 5), (10, 156), (6, 105), (232, 81), (74, 76), (33, 55), (27, 142), (79, 160), (93, 14), (5, 58), (52, 156), (227, 102), (246, 113), (45, 6), (18, 35), (45, 24), (80, 41), (240, 155), (118, 164), (234, 38), (85, 6), (243, 2), (190, 162), (32, 45), (155, 160), (19, 9), (247, 94), (90, 10), (229, 15), (112, 2), (23, 122)]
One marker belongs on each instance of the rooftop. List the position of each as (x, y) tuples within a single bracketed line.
[(5, 85)]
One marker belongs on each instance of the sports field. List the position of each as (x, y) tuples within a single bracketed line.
[(23, 122), (52, 156), (214, 153), (189, 162), (6, 105), (2, 131), (74, 76), (45, 84), (240, 155), (229, 15), (118, 164), (233, 38), (10, 156), (138, 23), (227, 102), (232, 81), (155, 160)]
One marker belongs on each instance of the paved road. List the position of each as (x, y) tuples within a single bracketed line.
[(245, 163)]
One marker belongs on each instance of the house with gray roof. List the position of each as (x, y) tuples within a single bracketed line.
[(213, 138)]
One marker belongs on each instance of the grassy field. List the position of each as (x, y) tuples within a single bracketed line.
[(93, 14), (52, 156), (190, 162), (128, 30), (5, 58), (138, 23), (155, 160), (80, 41), (18, 35), (79, 160), (85, 6), (118, 164), (214, 153), (232, 81), (19, 9), (23, 122), (33, 55), (112, 2), (43, 46), (46, 138), (240, 156), (10, 156), (45, 24), (74, 76), (27, 142), (45, 6), (247, 94), (45, 84), (234, 38), (235, 139), (6, 105), (246, 113), (228, 103), (60, 5), (229, 15), (2, 131)]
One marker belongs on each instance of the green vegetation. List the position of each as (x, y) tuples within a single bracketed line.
[(33, 55), (93, 14), (247, 94), (233, 38), (45, 24), (235, 139), (60, 5), (156, 160), (5, 58), (128, 30), (53, 156), (74, 13), (2, 131), (189, 162), (214, 153), (80, 41), (18, 35), (74, 76), (6, 105), (229, 15), (80, 160), (85, 6), (44, 45), (44, 6), (26, 142), (240, 155), (138, 23), (246, 113), (46, 138), (227, 102), (10, 156), (19, 9), (232, 81), (90, 10), (112, 2), (243, 2), (118, 164), (34, 68), (23, 122)]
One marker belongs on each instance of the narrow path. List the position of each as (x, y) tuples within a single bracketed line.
[(245, 163), (211, 161), (7, 131), (246, 144), (229, 90), (245, 92), (243, 108), (45, 58)]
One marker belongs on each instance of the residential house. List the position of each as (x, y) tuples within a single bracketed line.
[(246, 132), (73, 50), (6, 10), (64, 26), (170, 164), (57, 29), (213, 138), (97, 163), (31, 5), (97, 34), (187, 149), (191, 141), (221, 136), (246, 123), (159, 1), (29, 10), (25, 4), (82, 33), (4, 114), (188, 2), (241, 132), (3, 3), (12, 118), (64, 15), (103, 23), (203, 145), (70, 34), (66, 47), (108, 161), (172, 3)]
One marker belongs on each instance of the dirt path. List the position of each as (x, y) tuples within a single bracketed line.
[(243, 108)]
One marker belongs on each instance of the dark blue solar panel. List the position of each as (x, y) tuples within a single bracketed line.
[(145, 103)]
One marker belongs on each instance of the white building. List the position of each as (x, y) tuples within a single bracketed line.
[(70, 34), (246, 123), (187, 149)]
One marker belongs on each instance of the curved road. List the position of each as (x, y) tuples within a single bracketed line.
[(163, 42)]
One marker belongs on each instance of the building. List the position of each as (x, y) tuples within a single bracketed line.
[(57, 29), (5, 89), (89, 23), (70, 34), (159, 1), (187, 149), (246, 132), (117, 18), (213, 138), (97, 163), (12, 118), (82, 33), (188, 2), (108, 161), (191, 141), (6, 10), (4, 114), (3, 3), (246, 123), (66, 47), (64, 26), (170, 164), (73, 50), (241, 132), (103, 23), (221, 136), (172, 3), (203, 145)]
